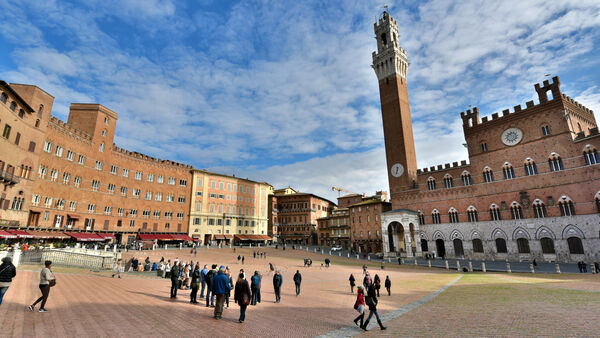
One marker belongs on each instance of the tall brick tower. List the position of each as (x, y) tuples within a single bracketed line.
[(390, 65)]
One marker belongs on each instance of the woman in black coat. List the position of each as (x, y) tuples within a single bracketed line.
[(352, 280), (371, 301), (7, 273), (242, 295)]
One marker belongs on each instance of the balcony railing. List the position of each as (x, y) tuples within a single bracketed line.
[(8, 178)]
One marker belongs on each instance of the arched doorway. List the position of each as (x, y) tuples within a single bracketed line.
[(424, 246), (396, 237), (441, 247), (458, 248)]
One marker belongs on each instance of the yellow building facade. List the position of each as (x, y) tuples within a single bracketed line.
[(227, 208)]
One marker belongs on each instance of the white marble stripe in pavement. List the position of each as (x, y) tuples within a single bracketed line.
[(350, 331)]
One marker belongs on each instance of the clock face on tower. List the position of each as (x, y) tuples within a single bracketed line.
[(397, 170), (512, 136)]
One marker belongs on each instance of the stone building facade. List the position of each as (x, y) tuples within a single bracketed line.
[(224, 207), (297, 215), (530, 188), (81, 181)]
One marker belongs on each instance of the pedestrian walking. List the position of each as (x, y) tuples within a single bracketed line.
[(203, 273), (7, 273), (327, 262), (243, 258), (580, 266), (297, 281), (239, 258), (352, 280), (195, 252), (174, 280), (242, 296), (367, 281), (364, 269), (254, 253), (277, 282), (388, 285), (371, 302), (196, 277), (117, 269), (255, 287), (210, 297), (47, 280), (359, 306), (377, 283), (220, 287)]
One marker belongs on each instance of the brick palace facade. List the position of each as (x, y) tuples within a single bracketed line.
[(530, 188)]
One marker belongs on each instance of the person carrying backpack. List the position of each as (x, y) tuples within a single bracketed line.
[(255, 288), (210, 297)]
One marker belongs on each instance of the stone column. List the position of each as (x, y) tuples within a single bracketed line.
[(457, 265), (447, 267), (483, 267), (429, 262), (470, 266), (508, 267)]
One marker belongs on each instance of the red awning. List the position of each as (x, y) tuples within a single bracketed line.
[(21, 233), (179, 237), (4, 234), (107, 236), (253, 237), (85, 236), (147, 237), (164, 237)]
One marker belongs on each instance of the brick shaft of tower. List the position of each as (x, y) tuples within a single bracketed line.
[(391, 64)]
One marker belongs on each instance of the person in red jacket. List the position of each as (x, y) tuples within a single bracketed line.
[(359, 305), (242, 295)]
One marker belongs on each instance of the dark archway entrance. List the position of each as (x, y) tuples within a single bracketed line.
[(396, 237), (441, 247), (458, 248), (424, 246)]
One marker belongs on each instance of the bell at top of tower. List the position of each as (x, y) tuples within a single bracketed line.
[(390, 58)]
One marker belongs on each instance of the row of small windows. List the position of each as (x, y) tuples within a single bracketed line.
[(555, 163), (565, 205), (59, 151), (575, 245)]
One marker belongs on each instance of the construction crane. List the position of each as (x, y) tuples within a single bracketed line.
[(340, 189)]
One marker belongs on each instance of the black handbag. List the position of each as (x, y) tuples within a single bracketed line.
[(52, 282)]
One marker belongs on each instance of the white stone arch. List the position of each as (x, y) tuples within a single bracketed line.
[(475, 234), (456, 234), (498, 233), (423, 235), (438, 235), (597, 196), (519, 232), (452, 209), (572, 231), (544, 231), (553, 155)]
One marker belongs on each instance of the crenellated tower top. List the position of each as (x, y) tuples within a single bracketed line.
[(390, 58)]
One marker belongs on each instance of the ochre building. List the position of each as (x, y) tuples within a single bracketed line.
[(530, 188), (227, 209)]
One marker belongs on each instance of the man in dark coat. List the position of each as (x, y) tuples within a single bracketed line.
[(352, 283), (255, 287), (174, 280), (277, 282), (297, 281), (210, 299), (388, 285), (371, 302)]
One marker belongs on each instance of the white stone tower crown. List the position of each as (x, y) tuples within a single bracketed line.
[(390, 58)]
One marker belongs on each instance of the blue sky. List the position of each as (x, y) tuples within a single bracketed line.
[(283, 91)]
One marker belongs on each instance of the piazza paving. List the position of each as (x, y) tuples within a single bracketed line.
[(86, 303)]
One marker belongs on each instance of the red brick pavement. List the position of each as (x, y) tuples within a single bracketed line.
[(85, 305)]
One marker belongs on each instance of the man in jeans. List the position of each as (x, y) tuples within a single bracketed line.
[(220, 287), (202, 280), (297, 281), (210, 275)]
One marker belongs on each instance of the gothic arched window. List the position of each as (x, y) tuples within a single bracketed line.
[(495, 213), (435, 216), (539, 209), (431, 183), (555, 162), (530, 167), (448, 181), (516, 210), (453, 215), (508, 171), (591, 155), (488, 175), (472, 214), (421, 218), (466, 178), (567, 208)]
